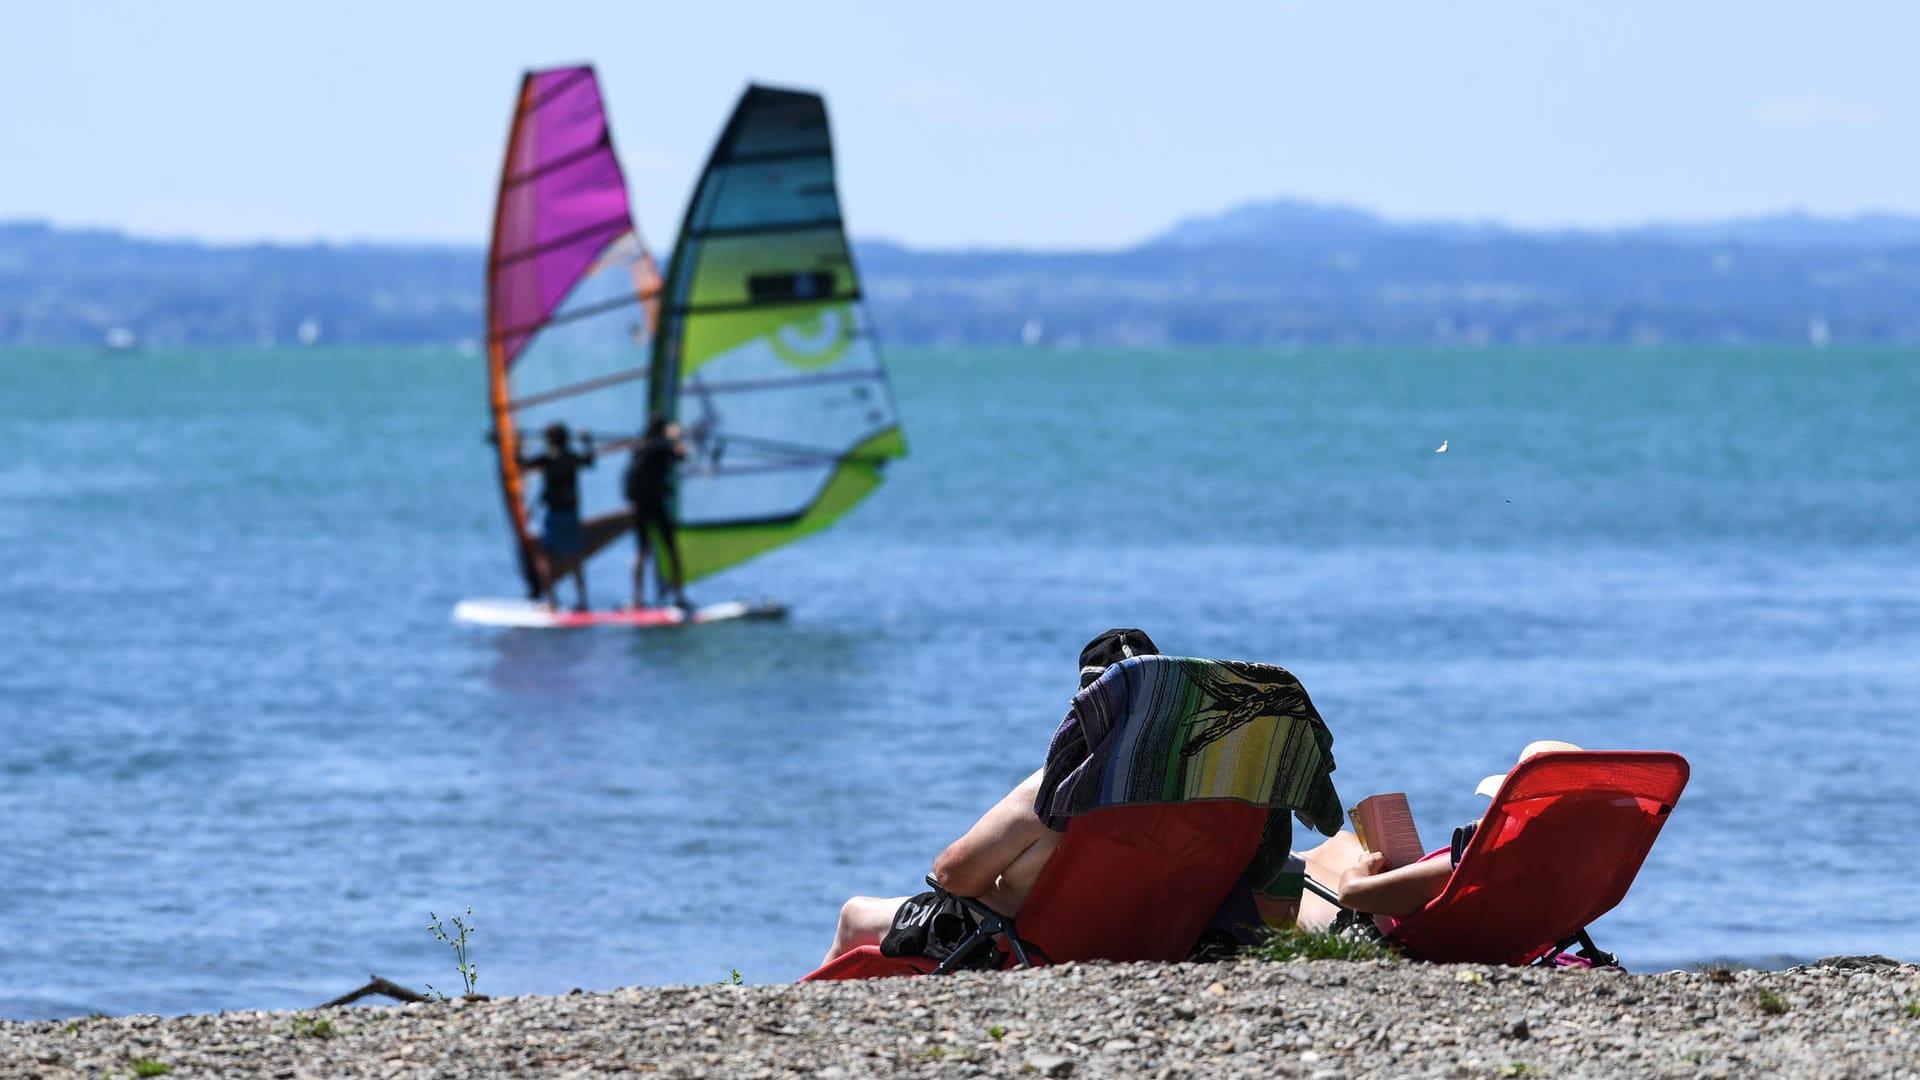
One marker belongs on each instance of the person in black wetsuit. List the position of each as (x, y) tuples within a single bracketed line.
[(562, 541), (649, 484)]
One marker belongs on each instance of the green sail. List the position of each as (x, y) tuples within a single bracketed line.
[(765, 354)]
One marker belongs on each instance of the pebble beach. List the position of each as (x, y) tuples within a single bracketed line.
[(1842, 1017)]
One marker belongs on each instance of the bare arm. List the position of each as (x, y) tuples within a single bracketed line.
[(1401, 891), (998, 846)]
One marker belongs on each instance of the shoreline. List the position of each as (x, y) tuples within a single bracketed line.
[(1844, 1016)]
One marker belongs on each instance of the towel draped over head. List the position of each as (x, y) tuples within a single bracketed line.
[(1163, 729)]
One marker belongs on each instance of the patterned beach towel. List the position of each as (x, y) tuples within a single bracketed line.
[(1164, 729)]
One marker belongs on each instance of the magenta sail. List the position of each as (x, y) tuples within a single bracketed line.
[(563, 201), (572, 295)]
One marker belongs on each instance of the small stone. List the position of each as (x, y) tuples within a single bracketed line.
[(1216, 988), (1516, 1028), (1747, 1035), (1185, 1011), (1050, 1064), (1117, 1046)]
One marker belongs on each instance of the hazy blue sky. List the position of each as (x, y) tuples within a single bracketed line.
[(985, 123)]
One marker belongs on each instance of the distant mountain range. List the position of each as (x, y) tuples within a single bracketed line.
[(1267, 273)]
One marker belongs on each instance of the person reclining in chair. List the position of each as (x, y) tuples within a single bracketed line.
[(997, 861), (1366, 885)]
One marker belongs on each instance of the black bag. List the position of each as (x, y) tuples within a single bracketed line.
[(933, 924)]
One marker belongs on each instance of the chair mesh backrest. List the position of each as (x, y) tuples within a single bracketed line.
[(1559, 847)]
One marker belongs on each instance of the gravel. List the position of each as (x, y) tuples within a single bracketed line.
[(1842, 1017)]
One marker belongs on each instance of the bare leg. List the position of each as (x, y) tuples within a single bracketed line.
[(544, 568), (640, 570), (1325, 864), (580, 587), (864, 920), (670, 549)]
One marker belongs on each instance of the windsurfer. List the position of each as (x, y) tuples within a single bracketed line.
[(649, 486), (562, 541)]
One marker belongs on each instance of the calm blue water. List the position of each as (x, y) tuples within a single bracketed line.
[(246, 752)]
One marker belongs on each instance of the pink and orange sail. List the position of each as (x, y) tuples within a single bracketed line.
[(572, 291)]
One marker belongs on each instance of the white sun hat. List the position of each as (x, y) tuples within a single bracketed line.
[(1492, 783)]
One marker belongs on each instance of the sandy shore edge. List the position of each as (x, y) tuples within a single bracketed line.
[(1845, 1016)]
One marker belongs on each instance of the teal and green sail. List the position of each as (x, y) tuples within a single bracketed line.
[(764, 352)]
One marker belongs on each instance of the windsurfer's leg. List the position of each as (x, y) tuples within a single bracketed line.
[(642, 535), (670, 551), (864, 920), (543, 569), (580, 586)]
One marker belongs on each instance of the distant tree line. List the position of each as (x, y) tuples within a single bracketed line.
[(1269, 274)]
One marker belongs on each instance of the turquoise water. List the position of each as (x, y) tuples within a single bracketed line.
[(247, 752)]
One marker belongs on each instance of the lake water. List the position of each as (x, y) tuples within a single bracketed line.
[(246, 751)]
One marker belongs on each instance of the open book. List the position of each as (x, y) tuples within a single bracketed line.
[(1384, 823)]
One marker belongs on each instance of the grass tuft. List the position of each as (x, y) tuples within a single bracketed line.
[(149, 1067), (1769, 1001), (1291, 943)]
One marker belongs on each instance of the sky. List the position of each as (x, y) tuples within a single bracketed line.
[(990, 124)]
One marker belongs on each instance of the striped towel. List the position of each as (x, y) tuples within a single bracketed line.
[(1165, 729)]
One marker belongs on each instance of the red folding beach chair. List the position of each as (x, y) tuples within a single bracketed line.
[(1558, 848), (1126, 883), (1175, 769)]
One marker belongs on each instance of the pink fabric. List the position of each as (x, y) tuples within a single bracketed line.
[(562, 201)]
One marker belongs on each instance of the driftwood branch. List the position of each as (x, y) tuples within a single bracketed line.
[(379, 986)]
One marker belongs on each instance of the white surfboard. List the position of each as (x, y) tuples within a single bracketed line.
[(531, 615)]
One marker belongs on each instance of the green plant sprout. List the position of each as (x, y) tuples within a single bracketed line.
[(149, 1067), (733, 978), (312, 1027), (469, 973)]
